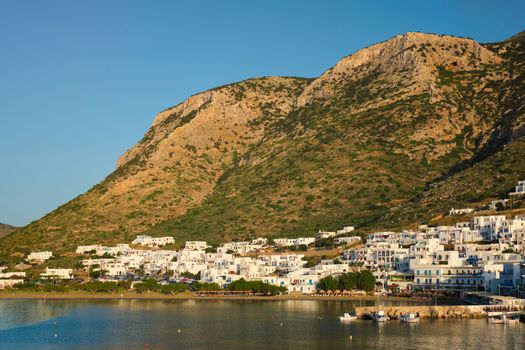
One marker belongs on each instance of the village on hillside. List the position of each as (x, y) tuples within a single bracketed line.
[(482, 257)]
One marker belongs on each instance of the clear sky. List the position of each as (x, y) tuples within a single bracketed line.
[(80, 81)]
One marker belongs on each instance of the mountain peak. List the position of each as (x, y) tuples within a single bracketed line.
[(413, 57)]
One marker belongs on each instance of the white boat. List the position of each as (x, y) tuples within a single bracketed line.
[(503, 320), (379, 316), (347, 317), (409, 318)]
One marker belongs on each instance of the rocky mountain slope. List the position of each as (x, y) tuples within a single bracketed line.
[(6, 229), (360, 145)]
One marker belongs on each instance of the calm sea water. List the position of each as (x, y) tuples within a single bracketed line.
[(152, 324)]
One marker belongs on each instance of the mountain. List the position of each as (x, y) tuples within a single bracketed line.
[(364, 144), (6, 229)]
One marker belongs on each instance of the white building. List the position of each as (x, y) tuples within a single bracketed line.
[(196, 245), (39, 256), (347, 240), (97, 262), (83, 249), (285, 262), (153, 241), (325, 234), (460, 211), (376, 254), (457, 234), (260, 241), (113, 269), (494, 204), (346, 229), (488, 225), (9, 283), (64, 274), (8, 275), (520, 189), (239, 247), (290, 242), (448, 277), (142, 240)]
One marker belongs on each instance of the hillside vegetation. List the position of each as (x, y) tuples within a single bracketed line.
[(6, 229)]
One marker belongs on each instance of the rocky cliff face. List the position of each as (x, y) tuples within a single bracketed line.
[(190, 146), (284, 156)]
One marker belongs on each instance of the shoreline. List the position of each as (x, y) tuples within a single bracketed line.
[(79, 295)]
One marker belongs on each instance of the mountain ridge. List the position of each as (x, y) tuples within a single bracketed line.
[(287, 155)]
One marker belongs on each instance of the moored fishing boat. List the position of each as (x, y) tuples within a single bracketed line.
[(409, 318), (379, 316), (347, 317)]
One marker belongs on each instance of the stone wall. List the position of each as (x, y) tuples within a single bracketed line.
[(427, 311)]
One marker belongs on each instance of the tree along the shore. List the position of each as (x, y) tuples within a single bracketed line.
[(363, 280)]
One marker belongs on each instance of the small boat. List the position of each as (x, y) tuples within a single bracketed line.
[(379, 316), (409, 318), (347, 317), (503, 320)]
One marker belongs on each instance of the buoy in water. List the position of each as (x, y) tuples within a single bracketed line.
[(56, 335)]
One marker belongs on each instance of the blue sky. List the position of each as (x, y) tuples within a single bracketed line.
[(80, 81)]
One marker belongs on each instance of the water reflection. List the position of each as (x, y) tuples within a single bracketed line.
[(222, 324), (16, 313)]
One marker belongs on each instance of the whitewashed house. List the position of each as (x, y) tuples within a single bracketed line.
[(62, 274), (83, 249), (325, 234), (290, 242), (7, 275), (448, 277), (239, 247), (39, 256), (260, 241), (97, 262), (488, 225), (196, 245), (9, 283), (142, 240), (347, 240), (153, 241), (113, 269), (345, 230), (494, 204), (461, 211), (520, 189)]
